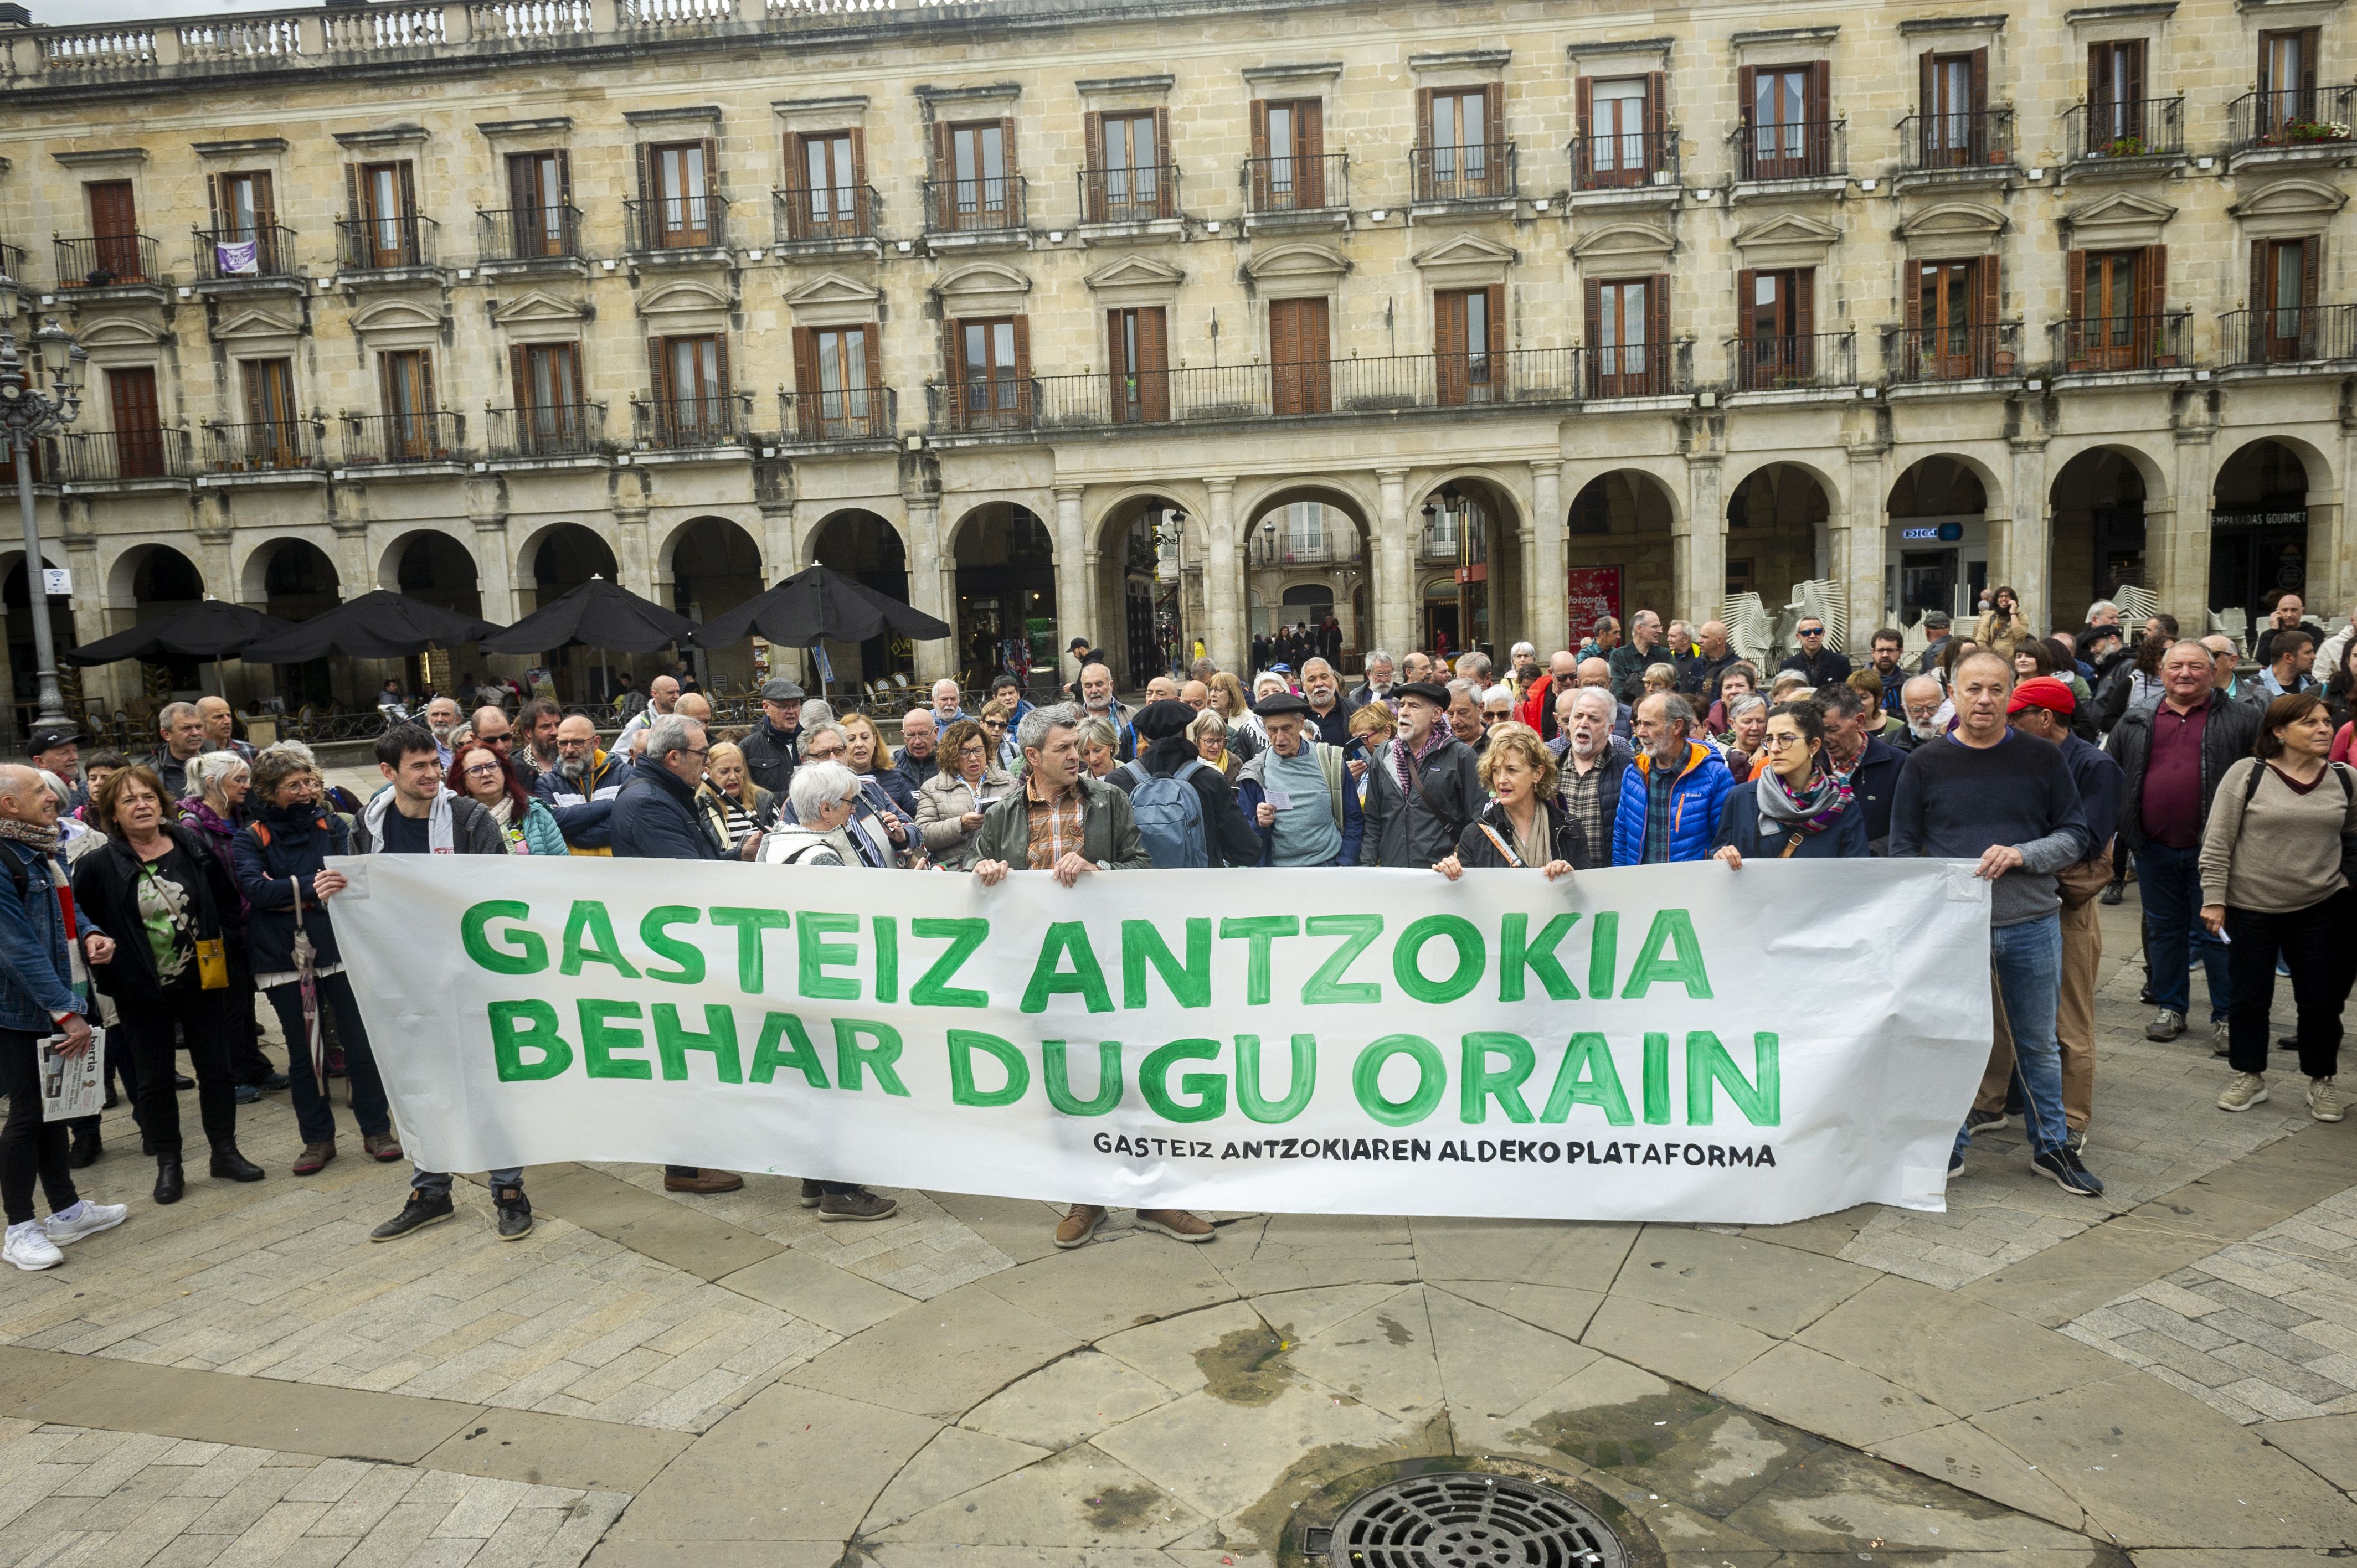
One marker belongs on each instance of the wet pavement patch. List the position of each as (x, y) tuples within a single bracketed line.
[(1247, 1367)]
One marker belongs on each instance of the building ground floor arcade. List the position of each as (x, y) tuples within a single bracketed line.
[(1486, 526)]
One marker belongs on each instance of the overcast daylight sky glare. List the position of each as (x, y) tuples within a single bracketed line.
[(73, 13)]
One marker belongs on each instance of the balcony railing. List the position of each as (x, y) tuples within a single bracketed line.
[(228, 255), (676, 223), (1278, 547), (548, 430), (1478, 171), (2088, 344), (848, 212), (2288, 335), (383, 244), (974, 206), (12, 260), (1955, 353), (1956, 141), (2292, 118), (1319, 182), (108, 456), (688, 424), (41, 469), (527, 234), (374, 439), (1137, 194), (1624, 161), (272, 446), (2128, 128), (106, 260), (1788, 361), (1638, 370), (1798, 149), (862, 413)]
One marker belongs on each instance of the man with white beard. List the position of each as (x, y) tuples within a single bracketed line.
[(1920, 701), (1593, 759)]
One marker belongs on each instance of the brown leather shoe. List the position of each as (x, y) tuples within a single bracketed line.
[(704, 1181), (381, 1148), (1177, 1224), (1079, 1225), (315, 1158)]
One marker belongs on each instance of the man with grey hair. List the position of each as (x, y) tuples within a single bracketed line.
[(918, 759), (1376, 685), (1671, 795), (1920, 700), (1097, 700), (1597, 674), (1645, 648), (2102, 612), (1474, 666), (663, 696), (441, 720), (1329, 712), (1591, 759), (221, 726), (946, 711), (183, 731), (579, 790), (1465, 715)]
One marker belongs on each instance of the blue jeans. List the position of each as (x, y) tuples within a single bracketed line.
[(2170, 880), (436, 1184), (2028, 958)]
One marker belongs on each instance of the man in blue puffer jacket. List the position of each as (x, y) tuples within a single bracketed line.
[(1669, 797)]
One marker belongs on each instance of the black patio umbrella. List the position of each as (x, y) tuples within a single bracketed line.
[(215, 628), (597, 613), (380, 625), (818, 604)]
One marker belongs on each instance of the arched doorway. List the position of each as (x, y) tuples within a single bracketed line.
[(1935, 556), (431, 566), (162, 582), (2096, 508), (1776, 535), (2258, 532), (555, 563), (1149, 582), (1005, 593), (715, 565), (1307, 560), (1468, 525), (863, 545), (1620, 556), (297, 581)]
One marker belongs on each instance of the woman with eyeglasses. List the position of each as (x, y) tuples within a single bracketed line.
[(732, 803), (491, 781), (1247, 739), (876, 832), (1796, 808), (997, 721), (951, 805), (1747, 724)]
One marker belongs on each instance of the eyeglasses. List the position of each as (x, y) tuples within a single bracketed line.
[(485, 768), (1813, 631), (1776, 742)]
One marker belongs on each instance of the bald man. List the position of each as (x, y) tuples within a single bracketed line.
[(221, 726), (1597, 674), (695, 706), (663, 696)]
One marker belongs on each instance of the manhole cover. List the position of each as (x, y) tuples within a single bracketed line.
[(1465, 1520)]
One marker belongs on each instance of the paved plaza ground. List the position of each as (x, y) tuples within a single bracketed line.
[(2167, 1376)]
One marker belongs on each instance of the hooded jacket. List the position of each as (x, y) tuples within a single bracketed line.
[(584, 810), (1695, 803)]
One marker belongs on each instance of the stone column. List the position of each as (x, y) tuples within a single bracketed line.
[(2028, 556), (781, 554), (932, 586), (1703, 559), (1075, 605), (1222, 581), (1395, 606), (1548, 616), (2177, 545)]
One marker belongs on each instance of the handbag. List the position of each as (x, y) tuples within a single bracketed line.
[(212, 964)]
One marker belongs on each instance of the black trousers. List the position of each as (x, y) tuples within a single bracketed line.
[(154, 1032), (2319, 945), (246, 1062), (29, 1147)]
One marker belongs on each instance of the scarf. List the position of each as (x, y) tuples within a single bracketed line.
[(1405, 767), (439, 837), (1820, 809), (34, 834)]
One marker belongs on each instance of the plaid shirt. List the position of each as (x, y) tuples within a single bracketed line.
[(1583, 798), (1660, 789), (1055, 827)]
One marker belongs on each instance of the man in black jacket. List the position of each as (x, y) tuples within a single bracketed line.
[(1822, 665), (1164, 751), (1856, 750), (774, 746), (1423, 786)]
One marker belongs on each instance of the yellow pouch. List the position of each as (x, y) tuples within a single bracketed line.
[(212, 964)]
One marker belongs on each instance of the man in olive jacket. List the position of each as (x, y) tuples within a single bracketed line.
[(1415, 823), (1062, 820)]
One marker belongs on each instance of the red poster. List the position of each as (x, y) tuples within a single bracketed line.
[(1593, 591)]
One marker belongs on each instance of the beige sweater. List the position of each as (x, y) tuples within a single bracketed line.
[(2284, 852)]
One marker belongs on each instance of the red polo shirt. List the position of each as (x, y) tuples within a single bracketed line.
[(2171, 806)]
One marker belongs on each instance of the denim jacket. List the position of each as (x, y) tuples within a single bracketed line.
[(36, 970)]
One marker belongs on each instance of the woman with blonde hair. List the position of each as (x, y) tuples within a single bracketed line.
[(1208, 731), (1246, 737), (1371, 728), (866, 754), (950, 804), (730, 801), (1524, 826), (1100, 747)]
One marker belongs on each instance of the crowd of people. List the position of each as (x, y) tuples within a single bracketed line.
[(161, 895)]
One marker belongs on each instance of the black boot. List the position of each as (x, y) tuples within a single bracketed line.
[(170, 1181), (231, 1166), (84, 1148)]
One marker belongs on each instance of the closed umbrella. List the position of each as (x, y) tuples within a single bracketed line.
[(380, 625), (214, 629), (818, 604), (597, 613)]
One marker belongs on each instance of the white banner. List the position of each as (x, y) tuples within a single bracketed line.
[(1680, 1043)]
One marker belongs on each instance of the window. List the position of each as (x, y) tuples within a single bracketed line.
[(138, 426), (974, 165), (384, 214), (409, 426), (114, 231), (1787, 130), (1289, 158), (2287, 79), (1126, 183), (2114, 300), (1628, 336), (1464, 152), (692, 406), (1777, 314), (1952, 319), (1299, 352), (837, 391), (550, 416), (1470, 344), (540, 204), (677, 178), (2285, 276), (2116, 97), (1623, 132), (1954, 124), (825, 172), (1137, 347), (243, 217), (991, 366), (273, 438)]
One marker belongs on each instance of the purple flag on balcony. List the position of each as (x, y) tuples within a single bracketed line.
[(235, 258)]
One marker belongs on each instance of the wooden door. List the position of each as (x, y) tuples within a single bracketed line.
[(1469, 345), (838, 379), (549, 413), (1780, 116), (1300, 355), (1946, 306), (2285, 275), (272, 438), (409, 433), (683, 195), (114, 228), (138, 427), (2115, 109), (539, 204), (978, 176), (1138, 344)]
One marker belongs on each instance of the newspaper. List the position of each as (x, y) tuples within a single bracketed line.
[(72, 1086)]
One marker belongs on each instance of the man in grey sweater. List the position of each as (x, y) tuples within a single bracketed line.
[(1986, 794)]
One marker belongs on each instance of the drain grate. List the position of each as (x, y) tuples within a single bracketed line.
[(1465, 1520)]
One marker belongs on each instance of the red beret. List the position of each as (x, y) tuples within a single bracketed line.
[(2043, 692)]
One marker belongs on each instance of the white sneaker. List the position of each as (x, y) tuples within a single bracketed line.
[(2247, 1090), (88, 1219), (30, 1248), (2325, 1101)]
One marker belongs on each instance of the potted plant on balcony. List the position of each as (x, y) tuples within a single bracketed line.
[(2299, 132), (2124, 147)]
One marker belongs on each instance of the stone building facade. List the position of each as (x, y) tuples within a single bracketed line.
[(1466, 320)]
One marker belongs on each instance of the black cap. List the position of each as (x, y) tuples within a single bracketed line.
[(1078, 645), (49, 737), (1160, 720), (1432, 692), (1278, 703), (780, 689)]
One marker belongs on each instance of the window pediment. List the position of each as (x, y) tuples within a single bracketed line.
[(688, 305), (1464, 259), (982, 288), (251, 324), (539, 316), (1619, 246), (2118, 220), (2291, 197), (1952, 229), (394, 324), (1787, 240), (1298, 269), (1135, 280)]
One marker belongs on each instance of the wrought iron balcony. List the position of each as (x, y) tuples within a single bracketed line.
[(1625, 161), (676, 223), (1637, 370), (527, 234), (809, 217), (375, 439), (1788, 361), (226, 255), (860, 413), (1956, 142), (386, 244), (2292, 119), (1971, 352), (974, 206), (106, 260), (1129, 195), (271, 447), (1480, 171), (107, 457), (1278, 546), (1799, 149), (1319, 183), (2096, 344), (2107, 131), (12, 260), (692, 424), (548, 430), (2288, 335)]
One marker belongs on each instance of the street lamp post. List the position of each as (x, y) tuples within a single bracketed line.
[(26, 414)]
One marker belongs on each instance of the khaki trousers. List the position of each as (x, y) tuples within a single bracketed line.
[(2074, 1023)]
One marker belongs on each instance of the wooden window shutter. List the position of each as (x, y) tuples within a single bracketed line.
[(352, 193), (1657, 329), (1980, 80), (2154, 278), (648, 194), (2099, 75), (1093, 164), (1163, 162), (1594, 290), (954, 367), (1424, 117), (2132, 53), (1023, 368), (1117, 363), (711, 166), (520, 376), (1657, 120), (1747, 78), (1989, 274), (2310, 41), (1493, 130), (2074, 285), (408, 189), (425, 401), (1260, 127), (1911, 295), (213, 198), (1746, 290), (1928, 82), (1497, 319), (875, 363), (1154, 362), (1583, 105), (659, 371), (1816, 104), (722, 385), (945, 175), (1006, 150), (1804, 303), (859, 165), (1309, 150), (796, 164), (2311, 270), (562, 195), (807, 379), (2263, 294)]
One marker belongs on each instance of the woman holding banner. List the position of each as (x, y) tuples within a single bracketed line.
[(1796, 808), (1524, 826)]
